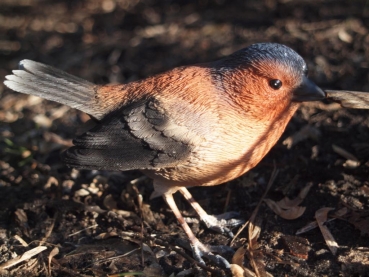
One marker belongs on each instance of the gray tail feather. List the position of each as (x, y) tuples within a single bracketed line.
[(53, 84)]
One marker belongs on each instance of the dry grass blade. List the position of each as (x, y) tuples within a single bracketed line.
[(321, 217), (80, 231), (50, 229), (349, 99), (344, 153), (27, 255), (252, 250)]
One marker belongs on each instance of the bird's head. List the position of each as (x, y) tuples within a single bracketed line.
[(268, 74)]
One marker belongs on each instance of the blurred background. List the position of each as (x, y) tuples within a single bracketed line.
[(117, 41)]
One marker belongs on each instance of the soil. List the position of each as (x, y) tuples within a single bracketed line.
[(95, 223)]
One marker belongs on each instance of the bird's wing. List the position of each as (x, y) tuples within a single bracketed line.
[(138, 136)]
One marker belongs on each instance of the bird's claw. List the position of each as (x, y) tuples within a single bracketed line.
[(218, 260), (200, 250), (221, 223)]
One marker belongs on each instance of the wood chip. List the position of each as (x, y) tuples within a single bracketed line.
[(351, 164), (306, 132), (297, 246), (22, 241), (21, 216), (110, 203)]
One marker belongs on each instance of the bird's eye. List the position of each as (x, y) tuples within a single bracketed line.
[(275, 84)]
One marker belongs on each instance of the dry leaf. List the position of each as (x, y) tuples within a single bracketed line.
[(287, 203), (239, 256), (303, 193), (254, 232), (321, 217), (287, 208), (289, 214), (312, 225), (237, 271), (255, 256), (52, 254)]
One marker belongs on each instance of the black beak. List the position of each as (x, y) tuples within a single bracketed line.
[(308, 91)]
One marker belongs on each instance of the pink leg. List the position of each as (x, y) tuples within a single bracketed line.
[(198, 249), (172, 204)]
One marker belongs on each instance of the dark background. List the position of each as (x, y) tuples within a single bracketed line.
[(120, 41)]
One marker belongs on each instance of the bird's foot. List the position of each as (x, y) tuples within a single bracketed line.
[(223, 222), (200, 250)]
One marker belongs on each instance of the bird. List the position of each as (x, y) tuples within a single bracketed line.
[(195, 125)]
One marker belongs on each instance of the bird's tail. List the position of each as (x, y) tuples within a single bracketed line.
[(54, 84)]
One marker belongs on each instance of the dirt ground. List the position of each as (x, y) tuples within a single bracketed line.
[(103, 223)]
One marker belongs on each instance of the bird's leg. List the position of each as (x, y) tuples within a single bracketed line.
[(199, 250), (218, 223)]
